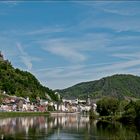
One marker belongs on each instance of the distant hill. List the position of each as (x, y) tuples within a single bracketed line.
[(21, 83), (119, 86)]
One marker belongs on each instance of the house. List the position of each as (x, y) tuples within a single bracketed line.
[(82, 101), (94, 107), (74, 101), (41, 108), (43, 102)]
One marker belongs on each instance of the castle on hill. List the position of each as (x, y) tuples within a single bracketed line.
[(1, 56), (3, 60)]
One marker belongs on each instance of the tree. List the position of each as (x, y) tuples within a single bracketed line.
[(137, 108), (21, 83), (107, 106), (92, 113), (132, 109)]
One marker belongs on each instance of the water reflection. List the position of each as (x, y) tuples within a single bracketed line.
[(74, 127)]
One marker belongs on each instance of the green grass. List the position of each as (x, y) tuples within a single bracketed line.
[(17, 114)]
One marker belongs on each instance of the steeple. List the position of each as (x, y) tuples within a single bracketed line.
[(88, 100)]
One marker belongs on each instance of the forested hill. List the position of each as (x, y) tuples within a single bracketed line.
[(21, 83), (119, 86)]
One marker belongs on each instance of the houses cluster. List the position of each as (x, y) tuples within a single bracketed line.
[(13, 103), (75, 105)]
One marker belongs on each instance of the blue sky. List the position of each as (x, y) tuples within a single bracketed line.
[(64, 43)]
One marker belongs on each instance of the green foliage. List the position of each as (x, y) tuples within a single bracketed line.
[(132, 109), (92, 114), (21, 83), (51, 108), (107, 106), (137, 108), (118, 86)]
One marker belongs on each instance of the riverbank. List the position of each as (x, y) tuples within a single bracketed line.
[(63, 113), (125, 120), (19, 114)]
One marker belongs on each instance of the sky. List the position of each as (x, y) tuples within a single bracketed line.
[(64, 43)]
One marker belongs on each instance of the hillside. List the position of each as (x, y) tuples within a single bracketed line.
[(21, 83), (119, 86)]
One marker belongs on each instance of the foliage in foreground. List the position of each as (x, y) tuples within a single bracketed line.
[(107, 106), (113, 109)]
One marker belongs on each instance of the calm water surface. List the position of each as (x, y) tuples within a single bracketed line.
[(71, 127)]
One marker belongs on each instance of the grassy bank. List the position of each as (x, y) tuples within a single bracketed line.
[(18, 114), (110, 118)]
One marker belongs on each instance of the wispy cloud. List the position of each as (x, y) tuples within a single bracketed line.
[(123, 12), (128, 55), (118, 24), (68, 76), (101, 39), (123, 8), (75, 49), (131, 8), (11, 3), (129, 63), (61, 48), (24, 57), (66, 52), (124, 16), (45, 30), (33, 32)]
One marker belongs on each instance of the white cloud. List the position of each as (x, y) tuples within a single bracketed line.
[(66, 52), (82, 41), (76, 49), (24, 57), (123, 12), (127, 55), (123, 8), (11, 3), (62, 77), (118, 16), (116, 23), (64, 49), (45, 30)]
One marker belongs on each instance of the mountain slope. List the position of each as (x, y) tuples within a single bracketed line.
[(117, 86), (21, 83)]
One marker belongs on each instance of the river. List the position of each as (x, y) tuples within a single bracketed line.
[(68, 127)]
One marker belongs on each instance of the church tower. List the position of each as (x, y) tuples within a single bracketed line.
[(88, 100)]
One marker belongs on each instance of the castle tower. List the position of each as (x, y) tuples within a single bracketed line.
[(1, 56)]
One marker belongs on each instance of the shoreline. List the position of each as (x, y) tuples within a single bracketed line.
[(22, 114), (63, 113)]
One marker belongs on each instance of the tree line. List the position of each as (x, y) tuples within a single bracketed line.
[(123, 110)]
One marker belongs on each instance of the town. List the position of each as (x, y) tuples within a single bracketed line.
[(14, 103)]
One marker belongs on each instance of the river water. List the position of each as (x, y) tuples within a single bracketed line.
[(70, 127)]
